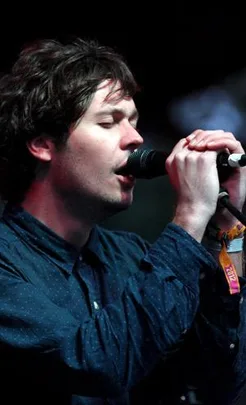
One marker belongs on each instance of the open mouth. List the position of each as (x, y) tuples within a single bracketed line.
[(123, 171), (125, 178)]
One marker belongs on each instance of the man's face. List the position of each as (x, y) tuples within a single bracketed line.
[(101, 142)]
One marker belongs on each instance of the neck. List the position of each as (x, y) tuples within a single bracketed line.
[(52, 210)]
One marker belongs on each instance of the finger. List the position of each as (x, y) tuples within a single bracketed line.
[(197, 135), (184, 159), (196, 161), (193, 135), (232, 145), (215, 141), (178, 148), (204, 136), (180, 145)]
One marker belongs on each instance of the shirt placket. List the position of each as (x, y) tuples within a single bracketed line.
[(87, 274)]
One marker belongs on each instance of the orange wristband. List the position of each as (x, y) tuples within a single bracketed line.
[(224, 237)]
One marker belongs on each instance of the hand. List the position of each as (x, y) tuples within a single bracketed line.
[(217, 141), (194, 176)]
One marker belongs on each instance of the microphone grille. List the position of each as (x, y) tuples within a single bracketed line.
[(140, 164), (140, 156)]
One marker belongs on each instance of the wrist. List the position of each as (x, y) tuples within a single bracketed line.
[(214, 232), (223, 217), (233, 246), (232, 239), (191, 221), (224, 220), (225, 243)]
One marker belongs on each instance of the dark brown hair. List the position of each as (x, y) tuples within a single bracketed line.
[(48, 89)]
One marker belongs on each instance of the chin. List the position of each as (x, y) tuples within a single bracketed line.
[(126, 200), (113, 207)]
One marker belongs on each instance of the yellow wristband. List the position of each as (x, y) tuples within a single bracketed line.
[(233, 233)]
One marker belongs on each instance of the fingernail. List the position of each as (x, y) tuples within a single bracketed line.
[(190, 137)]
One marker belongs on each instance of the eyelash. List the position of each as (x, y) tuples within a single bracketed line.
[(106, 124)]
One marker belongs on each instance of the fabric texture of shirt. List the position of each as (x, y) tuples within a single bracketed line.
[(86, 327)]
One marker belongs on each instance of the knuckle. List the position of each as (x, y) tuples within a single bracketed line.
[(168, 162), (197, 131), (179, 159), (190, 158), (230, 134)]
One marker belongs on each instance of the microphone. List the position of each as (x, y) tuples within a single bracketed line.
[(150, 163)]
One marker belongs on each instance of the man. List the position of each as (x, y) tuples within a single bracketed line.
[(87, 313)]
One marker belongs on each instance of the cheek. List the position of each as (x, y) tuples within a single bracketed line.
[(89, 162)]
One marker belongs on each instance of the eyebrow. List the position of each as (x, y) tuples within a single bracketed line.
[(115, 110)]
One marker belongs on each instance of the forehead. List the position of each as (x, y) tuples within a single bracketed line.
[(103, 98)]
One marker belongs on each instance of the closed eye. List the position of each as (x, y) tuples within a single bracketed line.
[(106, 124)]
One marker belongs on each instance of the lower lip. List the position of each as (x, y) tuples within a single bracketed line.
[(127, 180)]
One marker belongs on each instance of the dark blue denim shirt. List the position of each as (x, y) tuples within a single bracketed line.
[(86, 327)]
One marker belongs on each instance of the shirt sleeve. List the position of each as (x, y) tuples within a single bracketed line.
[(108, 354), (210, 363)]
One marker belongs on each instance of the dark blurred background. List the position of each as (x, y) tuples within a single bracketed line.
[(189, 62)]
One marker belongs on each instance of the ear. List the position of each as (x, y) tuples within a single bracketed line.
[(42, 148)]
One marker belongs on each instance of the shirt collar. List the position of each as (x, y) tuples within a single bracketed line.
[(42, 238), (95, 245)]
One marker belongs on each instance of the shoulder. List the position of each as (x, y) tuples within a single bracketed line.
[(8, 238), (11, 251)]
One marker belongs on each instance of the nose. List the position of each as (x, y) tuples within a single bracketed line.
[(131, 139)]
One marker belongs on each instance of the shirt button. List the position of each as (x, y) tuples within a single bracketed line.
[(80, 258), (96, 306), (241, 300), (232, 346)]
